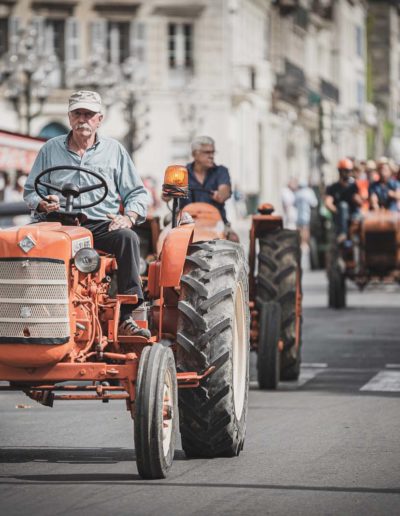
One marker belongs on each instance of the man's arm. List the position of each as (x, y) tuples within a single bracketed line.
[(222, 194), (31, 198), (329, 203), (224, 190)]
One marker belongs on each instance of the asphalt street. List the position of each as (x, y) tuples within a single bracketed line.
[(325, 445)]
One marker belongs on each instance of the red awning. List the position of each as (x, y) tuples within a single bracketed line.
[(17, 151)]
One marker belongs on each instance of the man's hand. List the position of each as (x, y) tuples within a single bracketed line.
[(52, 204), (120, 222)]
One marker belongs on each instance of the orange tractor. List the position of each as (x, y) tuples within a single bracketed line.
[(59, 329), (371, 253), (59, 322)]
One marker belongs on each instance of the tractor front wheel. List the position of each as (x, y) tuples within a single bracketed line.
[(156, 413), (268, 356)]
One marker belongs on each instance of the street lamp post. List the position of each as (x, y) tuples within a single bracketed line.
[(23, 75)]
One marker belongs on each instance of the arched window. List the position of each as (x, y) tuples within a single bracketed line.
[(53, 129)]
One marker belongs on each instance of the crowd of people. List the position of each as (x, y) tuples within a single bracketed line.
[(362, 186)]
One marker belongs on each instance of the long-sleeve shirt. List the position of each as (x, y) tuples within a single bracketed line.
[(108, 158)]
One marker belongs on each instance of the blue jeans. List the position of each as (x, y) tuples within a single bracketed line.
[(343, 216)]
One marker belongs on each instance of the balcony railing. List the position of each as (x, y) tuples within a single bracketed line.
[(328, 90), (292, 83)]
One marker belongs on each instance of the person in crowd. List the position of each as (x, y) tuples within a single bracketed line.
[(372, 174), (288, 196), (112, 231), (305, 199), (343, 200), (384, 193), (360, 177)]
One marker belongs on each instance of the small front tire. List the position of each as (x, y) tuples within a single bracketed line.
[(156, 413)]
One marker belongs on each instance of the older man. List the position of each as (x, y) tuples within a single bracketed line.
[(112, 232), (208, 182)]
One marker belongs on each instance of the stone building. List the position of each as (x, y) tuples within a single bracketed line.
[(384, 73), (279, 84)]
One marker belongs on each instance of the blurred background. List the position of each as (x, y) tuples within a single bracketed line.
[(285, 87)]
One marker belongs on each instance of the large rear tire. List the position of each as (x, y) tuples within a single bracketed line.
[(268, 355), (279, 279), (156, 413), (213, 331)]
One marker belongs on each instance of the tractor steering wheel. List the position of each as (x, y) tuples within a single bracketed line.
[(70, 190)]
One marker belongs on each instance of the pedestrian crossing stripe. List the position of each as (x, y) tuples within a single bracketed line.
[(384, 381)]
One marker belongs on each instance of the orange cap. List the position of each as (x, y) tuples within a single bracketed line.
[(345, 164)]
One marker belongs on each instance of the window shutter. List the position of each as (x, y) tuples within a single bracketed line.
[(138, 41), (14, 23), (72, 57), (98, 39)]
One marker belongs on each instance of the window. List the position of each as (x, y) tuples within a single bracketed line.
[(118, 42), (359, 41), (115, 41), (3, 36), (180, 46)]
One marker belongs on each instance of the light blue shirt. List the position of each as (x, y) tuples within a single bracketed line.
[(108, 158)]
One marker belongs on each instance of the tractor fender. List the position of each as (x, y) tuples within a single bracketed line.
[(173, 255)]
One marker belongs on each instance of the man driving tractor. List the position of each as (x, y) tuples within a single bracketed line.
[(208, 182), (343, 199), (112, 232)]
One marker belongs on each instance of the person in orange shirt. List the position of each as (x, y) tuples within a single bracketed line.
[(362, 183)]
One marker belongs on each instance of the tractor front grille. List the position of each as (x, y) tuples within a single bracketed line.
[(33, 301)]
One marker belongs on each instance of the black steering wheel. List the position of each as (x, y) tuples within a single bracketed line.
[(70, 190)]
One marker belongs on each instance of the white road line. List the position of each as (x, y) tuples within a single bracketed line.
[(306, 374), (392, 366), (384, 381), (313, 364)]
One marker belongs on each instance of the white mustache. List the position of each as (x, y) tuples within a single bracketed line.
[(83, 126)]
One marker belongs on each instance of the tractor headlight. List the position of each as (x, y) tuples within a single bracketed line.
[(87, 260)]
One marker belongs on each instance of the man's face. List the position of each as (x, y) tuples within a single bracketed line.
[(385, 172), (84, 122), (205, 156), (344, 174)]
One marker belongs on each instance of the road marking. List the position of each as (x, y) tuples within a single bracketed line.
[(384, 381), (392, 366), (306, 374), (313, 364)]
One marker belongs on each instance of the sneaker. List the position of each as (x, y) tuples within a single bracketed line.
[(130, 328)]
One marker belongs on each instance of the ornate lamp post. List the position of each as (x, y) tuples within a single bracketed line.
[(24, 74)]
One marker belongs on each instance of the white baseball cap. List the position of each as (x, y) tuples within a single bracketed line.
[(83, 99)]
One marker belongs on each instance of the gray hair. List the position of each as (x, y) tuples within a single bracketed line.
[(199, 141)]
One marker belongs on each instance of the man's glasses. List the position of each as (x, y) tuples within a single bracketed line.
[(86, 114), (208, 152)]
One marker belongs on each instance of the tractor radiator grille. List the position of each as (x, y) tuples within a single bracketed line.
[(33, 301)]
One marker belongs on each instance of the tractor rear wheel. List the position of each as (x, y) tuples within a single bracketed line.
[(156, 412), (213, 331), (279, 279), (268, 356)]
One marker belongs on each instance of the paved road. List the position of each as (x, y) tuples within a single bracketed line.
[(327, 445)]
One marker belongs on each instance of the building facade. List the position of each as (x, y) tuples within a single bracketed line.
[(279, 84)]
